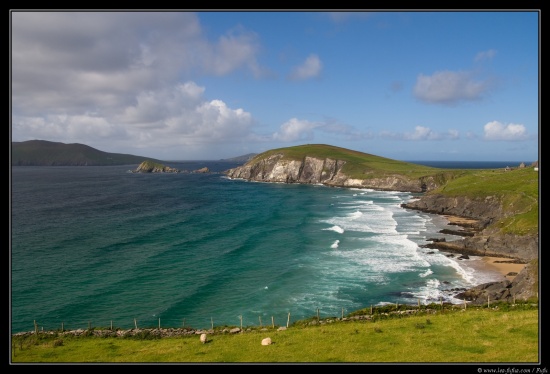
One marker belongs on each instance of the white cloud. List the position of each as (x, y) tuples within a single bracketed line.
[(311, 68), (78, 61), (421, 133), (453, 134), (167, 118), (294, 130), (485, 55), (302, 130), (119, 79), (497, 131), (233, 51), (448, 87), (67, 129)]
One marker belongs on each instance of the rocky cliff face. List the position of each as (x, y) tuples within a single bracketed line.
[(523, 287), (326, 171), (487, 241)]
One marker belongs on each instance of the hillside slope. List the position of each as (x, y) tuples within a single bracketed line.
[(335, 166), (46, 153)]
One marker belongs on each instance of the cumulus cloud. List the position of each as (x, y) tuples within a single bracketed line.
[(294, 130), (497, 131), (77, 61), (120, 77), (172, 117), (311, 68), (448, 87), (421, 133)]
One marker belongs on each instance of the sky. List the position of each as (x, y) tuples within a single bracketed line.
[(210, 85)]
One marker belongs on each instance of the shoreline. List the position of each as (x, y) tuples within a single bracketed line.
[(508, 267), (503, 265)]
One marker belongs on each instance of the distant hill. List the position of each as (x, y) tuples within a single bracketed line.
[(240, 159), (46, 153)]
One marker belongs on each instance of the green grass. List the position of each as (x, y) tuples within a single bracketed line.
[(476, 335), (358, 164), (517, 190)]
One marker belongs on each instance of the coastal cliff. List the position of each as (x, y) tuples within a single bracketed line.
[(482, 237), (501, 205), (328, 171)]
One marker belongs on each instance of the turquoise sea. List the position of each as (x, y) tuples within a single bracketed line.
[(91, 246)]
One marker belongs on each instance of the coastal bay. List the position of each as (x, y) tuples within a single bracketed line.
[(195, 248)]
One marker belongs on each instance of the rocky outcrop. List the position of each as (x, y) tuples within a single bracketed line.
[(523, 287), (327, 171), (153, 167)]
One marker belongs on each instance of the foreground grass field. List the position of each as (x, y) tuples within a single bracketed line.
[(500, 334)]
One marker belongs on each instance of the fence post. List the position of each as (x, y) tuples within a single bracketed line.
[(212, 322), (272, 322), (135, 323), (288, 320), (260, 318), (317, 314)]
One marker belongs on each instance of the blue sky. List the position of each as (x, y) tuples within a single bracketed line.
[(407, 85)]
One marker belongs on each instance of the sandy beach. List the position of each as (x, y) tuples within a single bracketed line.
[(502, 264)]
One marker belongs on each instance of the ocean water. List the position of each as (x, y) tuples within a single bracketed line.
[(101, 245)]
